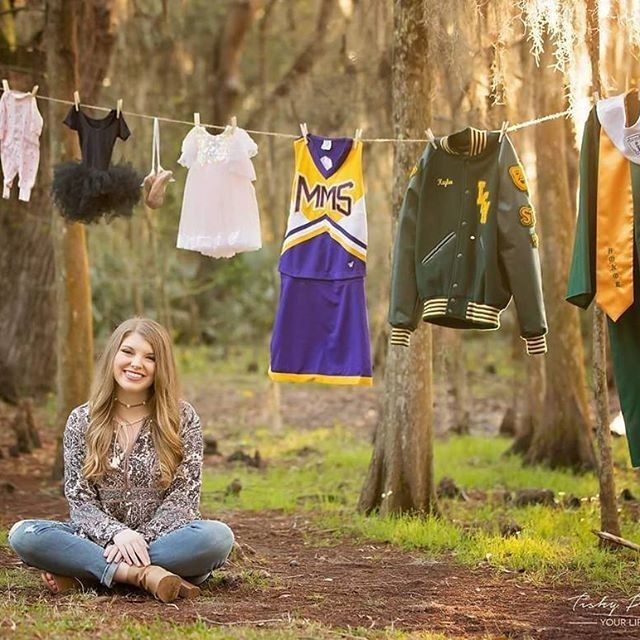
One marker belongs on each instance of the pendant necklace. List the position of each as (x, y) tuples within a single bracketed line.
[(118, 457)]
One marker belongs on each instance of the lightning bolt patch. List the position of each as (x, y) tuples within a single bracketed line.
[(483, 201)]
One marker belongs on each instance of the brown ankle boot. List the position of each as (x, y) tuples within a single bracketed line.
[(159, 582)]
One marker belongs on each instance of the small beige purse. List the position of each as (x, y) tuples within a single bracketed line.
[(155, 184)]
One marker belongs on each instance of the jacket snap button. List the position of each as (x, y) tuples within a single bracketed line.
[(459, 255), (472, 237), (455, 284), (464, 223)]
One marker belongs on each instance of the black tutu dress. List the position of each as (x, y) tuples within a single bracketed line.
[(91, 189)]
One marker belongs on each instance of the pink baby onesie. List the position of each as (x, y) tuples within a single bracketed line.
[(20, 129)]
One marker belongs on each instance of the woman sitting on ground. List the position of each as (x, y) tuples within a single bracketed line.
[(132, 463)]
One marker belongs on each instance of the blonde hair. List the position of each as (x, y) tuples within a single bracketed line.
[(163, 402)]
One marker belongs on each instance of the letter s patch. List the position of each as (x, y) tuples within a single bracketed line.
[(527, 216)]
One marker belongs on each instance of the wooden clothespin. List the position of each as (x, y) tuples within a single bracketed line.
[(196, 118), (431, 139), (5, 84), (76, 100), (358, 134), (503, 130), (234, 124), (34, 91), (596, 96), (304, 130), (118, 107)]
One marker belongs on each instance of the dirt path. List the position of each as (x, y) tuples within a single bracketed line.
[(290, 570)]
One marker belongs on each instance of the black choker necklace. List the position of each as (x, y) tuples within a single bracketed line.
[(130, 406)]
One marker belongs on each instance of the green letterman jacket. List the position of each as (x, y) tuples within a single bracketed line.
[(466, 241)]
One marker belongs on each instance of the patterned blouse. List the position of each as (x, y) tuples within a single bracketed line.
[(128, 497)]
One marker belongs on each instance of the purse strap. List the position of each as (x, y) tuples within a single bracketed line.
[(155, 148)]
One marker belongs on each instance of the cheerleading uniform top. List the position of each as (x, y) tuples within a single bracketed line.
[(321, 329)]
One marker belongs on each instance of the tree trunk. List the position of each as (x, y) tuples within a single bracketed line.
[(135, 267), (160, 297), (400, 476), (302, 64), (562, 438), (457, 368), (227, 87), (75, 29), (24, 428), (526, 408), (609, 520), (27, 289), (238, 21), (451, 408)]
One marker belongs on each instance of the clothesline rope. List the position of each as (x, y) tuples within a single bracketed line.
[(277, 134)]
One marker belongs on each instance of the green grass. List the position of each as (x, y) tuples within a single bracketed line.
[(77, 617), (480, 463), (554, 543), (4, 537), (328, 479), (18, 578)]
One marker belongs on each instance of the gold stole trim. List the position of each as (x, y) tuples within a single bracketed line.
[(614, 231)]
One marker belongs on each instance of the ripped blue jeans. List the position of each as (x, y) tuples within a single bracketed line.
[(192, 552)]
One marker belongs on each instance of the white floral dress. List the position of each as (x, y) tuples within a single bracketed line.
[(219, 210)]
